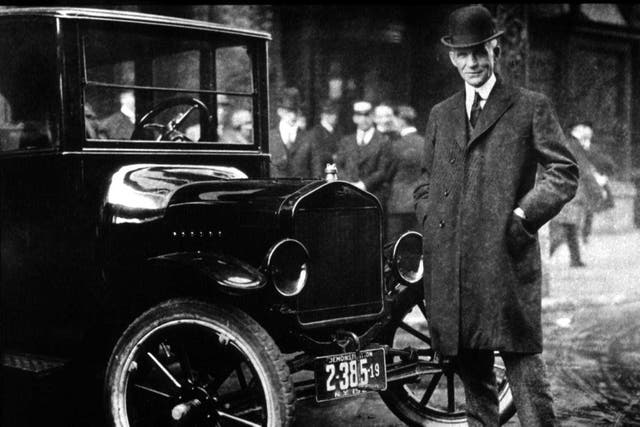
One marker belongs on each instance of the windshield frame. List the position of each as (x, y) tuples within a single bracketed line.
[(256, 51)]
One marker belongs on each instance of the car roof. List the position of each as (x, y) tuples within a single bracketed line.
[(127, 16)]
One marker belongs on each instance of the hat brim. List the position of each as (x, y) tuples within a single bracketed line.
[(446, 40)]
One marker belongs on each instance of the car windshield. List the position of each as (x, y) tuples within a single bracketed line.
[(170, 85)]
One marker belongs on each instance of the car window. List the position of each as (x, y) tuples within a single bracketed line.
[(28, 85), (166, 86)]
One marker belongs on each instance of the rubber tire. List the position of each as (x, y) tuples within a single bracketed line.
[(273, 371), (403, 409)]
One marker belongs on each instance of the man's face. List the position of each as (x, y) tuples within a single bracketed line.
[(475, 64), (363, 121), (288, 116), (384, 118)]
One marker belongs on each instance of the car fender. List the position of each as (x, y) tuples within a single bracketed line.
[(230, 274)]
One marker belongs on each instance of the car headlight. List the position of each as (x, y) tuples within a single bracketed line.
[(287, 265), (407, 257)]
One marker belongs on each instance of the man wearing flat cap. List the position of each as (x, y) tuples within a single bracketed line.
[(480, 206), (290, 154), (364, 158), (323, 139)]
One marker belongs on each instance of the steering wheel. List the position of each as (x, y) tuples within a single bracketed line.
[(170, 131)]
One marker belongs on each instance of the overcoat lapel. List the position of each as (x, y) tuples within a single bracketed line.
[(498, 103), (458, 121)]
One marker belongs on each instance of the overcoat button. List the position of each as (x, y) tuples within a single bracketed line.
[(441, 224), (452, 160), (446, 193)]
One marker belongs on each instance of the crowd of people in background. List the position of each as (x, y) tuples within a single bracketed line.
[(382, 155)]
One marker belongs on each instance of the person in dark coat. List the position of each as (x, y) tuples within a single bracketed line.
[(604, 167), (565, 226), (120, 125), (291, 155), (323, 139), (480, 207), (407, 151), (364, 158)]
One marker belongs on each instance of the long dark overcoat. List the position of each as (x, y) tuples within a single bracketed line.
[(324, 145), (292, 161), (482, 262), (371, 163), (407, 152)]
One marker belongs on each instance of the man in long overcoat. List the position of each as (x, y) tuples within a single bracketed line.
[(365, 158), (407, 152), (323, 139), (291, 155), (480, 207)]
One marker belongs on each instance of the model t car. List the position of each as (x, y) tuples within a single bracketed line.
[(144, 242)]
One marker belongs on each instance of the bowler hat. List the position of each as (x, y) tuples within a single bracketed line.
[(290, 99), (470, 26)]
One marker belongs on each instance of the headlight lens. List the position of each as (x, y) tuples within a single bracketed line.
[(407, 257), (287, 265)]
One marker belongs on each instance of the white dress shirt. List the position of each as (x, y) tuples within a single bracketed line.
[(364, 137), (483, 90), (327, 126), (288, 132)]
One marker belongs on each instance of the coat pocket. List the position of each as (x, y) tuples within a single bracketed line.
[(518, 237)]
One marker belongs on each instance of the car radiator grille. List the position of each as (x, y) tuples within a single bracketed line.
[(345, 273)]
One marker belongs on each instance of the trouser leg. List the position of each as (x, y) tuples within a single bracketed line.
[(586, 227), (475, 368), (571, 231), (530, 388)]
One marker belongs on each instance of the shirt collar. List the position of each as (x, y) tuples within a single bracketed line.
[(484, 91), (288, 132), (406, 131), (128, 112), (368, 134), (327, 126)]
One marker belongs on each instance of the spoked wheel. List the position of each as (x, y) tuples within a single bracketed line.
[(187, 363), (436, 398)]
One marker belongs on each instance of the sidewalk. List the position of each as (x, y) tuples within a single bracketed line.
[(612, 274)]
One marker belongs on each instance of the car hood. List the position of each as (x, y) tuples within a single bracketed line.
[(144, 192)]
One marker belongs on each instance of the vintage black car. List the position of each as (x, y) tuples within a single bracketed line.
[(145, 245)]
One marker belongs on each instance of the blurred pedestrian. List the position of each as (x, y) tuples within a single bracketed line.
[(290, 154), (407, 153), (241, 129), (603, 167), (480, 207), (120, 124), (565, 226), (364, 158), (323, 139), (386, 121)]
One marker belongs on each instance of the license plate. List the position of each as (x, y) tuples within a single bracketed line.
[(349, 374)]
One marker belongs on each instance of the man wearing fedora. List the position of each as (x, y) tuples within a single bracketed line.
[(364, 158), (480, 206), (323, 139), (290, 155)]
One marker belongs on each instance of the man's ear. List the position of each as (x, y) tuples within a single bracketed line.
[(497, 51), (452, 57)]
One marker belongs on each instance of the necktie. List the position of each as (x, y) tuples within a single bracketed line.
[(475, 110)]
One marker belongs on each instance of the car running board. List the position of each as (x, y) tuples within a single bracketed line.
[(34, 364)]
